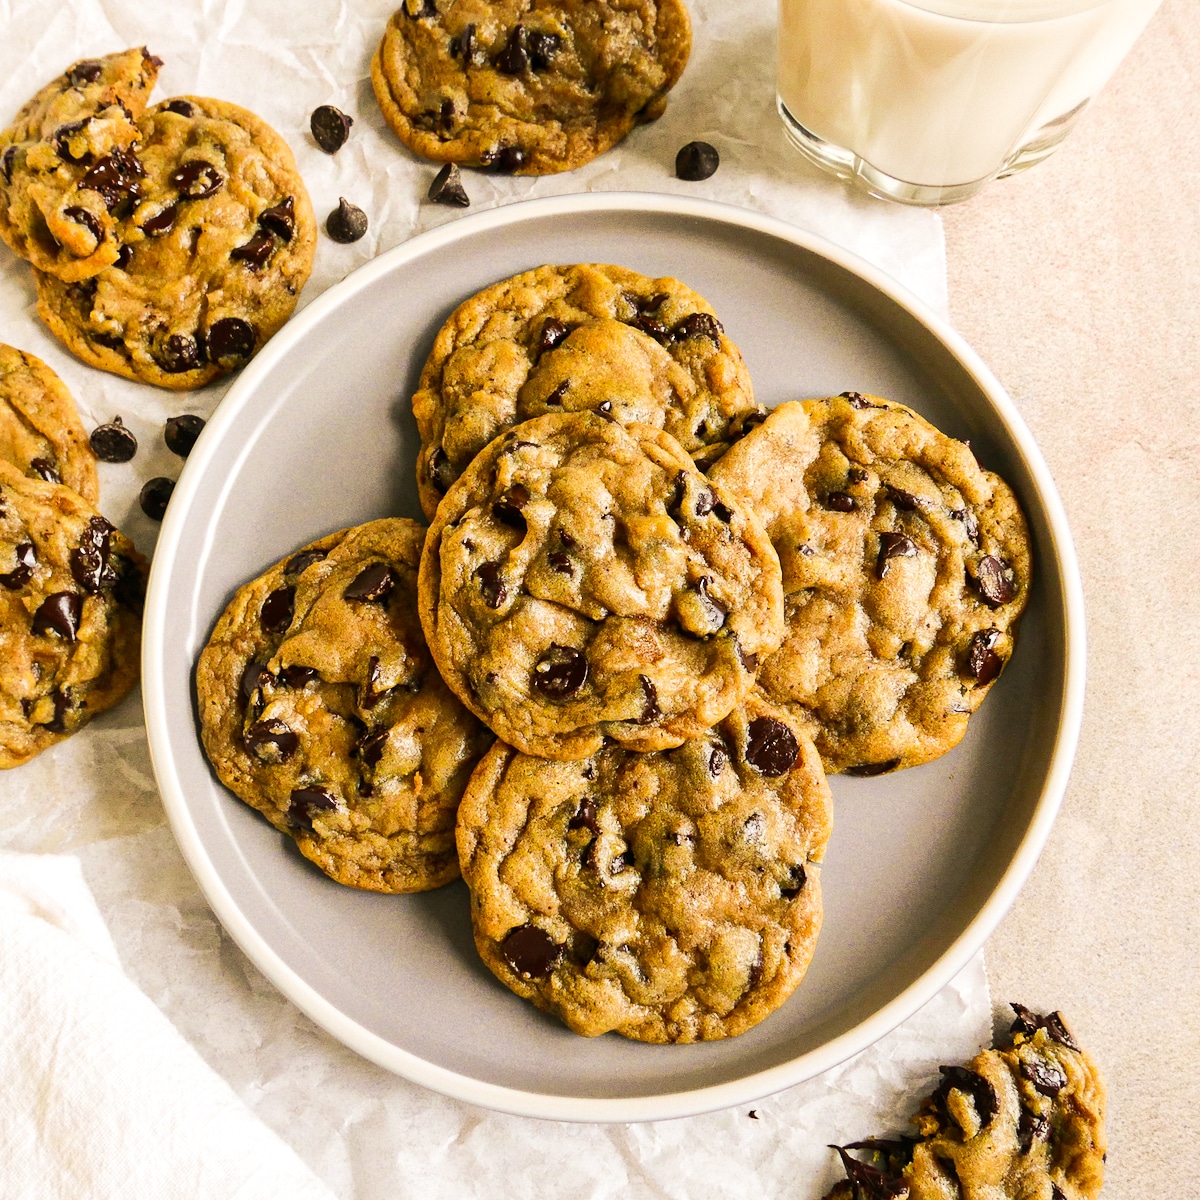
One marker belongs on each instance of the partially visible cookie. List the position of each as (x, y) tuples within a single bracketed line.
[(905, 565), (321, 708), (59, 159), (527, 86), (1025, 1120), (217, 245), (669, 896), (582, 581), (71, 592), (40, 429), (569, 338)]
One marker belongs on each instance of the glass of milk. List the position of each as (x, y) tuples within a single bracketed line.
[(925, 101)]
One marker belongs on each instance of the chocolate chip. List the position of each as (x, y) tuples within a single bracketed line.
[(840, 502), (870, 1183), (276, 613), (255, 253), (115, 177), (177, 353), (696, 161), (975, 1086), (699, 325), (155, 496), (585, 816), (1046, 1077), (542, 48), (902, 499), (1056, 1193), (983, 663), (330, 127), (62, 704), (868, 770), (530, 951), (1028, 1022), (507, 510), (299, 563), (373, 583), (305, 803), (254, 676), (464, 45), (553, 332), (893, 545), (566, 539), (858, 400), (994, 579), (503, 160), (63, 137), (561, 672), (447, 187), (749, 661), (771, 747), (371, 693), (491, 584), (717, 758), (88, 220), (271, 741), (793, 885), (197, 179), (1031, 1128), (347, 223), (162, 222), (46, 469), (124, 257), (230, 341), (90, 567), (10, 157), (87, 71), (180, 107), (372, 745), (21, 574), (857, 475), (560, 562), (59, 613), (180, 433), (652, 327), (297, 676), (113, 443), (514, 58), (279, 219), (650, 709), (969, 522)]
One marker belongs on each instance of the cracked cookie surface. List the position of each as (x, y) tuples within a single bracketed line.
[(71, 590), (218, 241), (526, 86), (582, 580), (574, 338), (669, 896), (40, 429), (905, 568), (321, 708)]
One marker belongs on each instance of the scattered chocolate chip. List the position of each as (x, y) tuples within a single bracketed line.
[(276, 613), (542, 48), (230, 341), (491, 584), (717, 758), (994, 579), (650, 709), (373, 583), (46, 469), (893, 545), (271, 741), (21, 574), (840, 502), (705, 325), (197, 179), (255, 253), (514, 58), (983, 663), (696, 161), (88, 220), (254, 676), (439, 470), (330, 127), (347, 223), (868, 770), (90, 567), (113, 443), (560, 562), (530, 951), (372, 745), (793, 885), (585, 816), (553, 332), (1028, 1022), (87, 71), (561, 672), (1047, 1077), (973, 1085), (180, 107), (59, 613), (771, 747), (504, 160), (296, 676), (180, 433), (155, 496), (447, 187), (162, 222), (124, 257), (63, 137), (279, 219), (299, 563), (305, 803)]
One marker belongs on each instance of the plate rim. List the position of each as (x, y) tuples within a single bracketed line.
[(688, 1102)]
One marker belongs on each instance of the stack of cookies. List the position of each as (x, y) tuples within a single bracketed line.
[(675, 612)]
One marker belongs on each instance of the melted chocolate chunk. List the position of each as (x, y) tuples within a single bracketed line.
[(62, 705), (1046, 1077), (279, 219), (124, 257), (161, 222), (46, 470), (553, 332), (87, 71), (542, 48), (299, 563), (868, 770), (276, 613), (993, 578), (197, 179), (560, 562), (1031, 1128), (447, 186), (870, 1183), (749, 661), (88, 220), (346, 223), (507, 510), (504, 160), (983, 663), (90, 567), (177, 353), (561, 672), (372, 745), (155, 496), (115, 177), (64, 135), (179, 107), (1028, 1022), (893, 545), (330, 127), (439, 470), (705, 325), (255, 253), (254, 676), (585, 816), (840, 502), (21, 574), (530, 951), (374, 583), (793, 885), (650, 709), (514, 58), (113, 443), (905, 500), (717, 758), (271, 741), (696, 161), (180, 433), (297, 676), (59, 613), (652, 327), (305, 803), (230, 341), (771, 747), (979, 1089), (969, 522), (491, 584)]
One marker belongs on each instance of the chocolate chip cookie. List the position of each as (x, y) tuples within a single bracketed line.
[(56, 206), (71, 592), (527, 86), (40, 430), (1026, 1120), (669, 896), (320, 707), (569, 338), (905, 568), (583, 581), (218, 241)]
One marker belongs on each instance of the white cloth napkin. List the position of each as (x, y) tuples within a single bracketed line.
[(99, 1095)]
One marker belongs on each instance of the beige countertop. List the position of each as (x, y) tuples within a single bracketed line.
[(1079, 284)]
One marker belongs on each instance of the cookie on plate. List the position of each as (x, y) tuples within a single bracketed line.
[(57, 160), (320, 707), (527, 86), (40, 429), (1025, 1120), (583, 581), (905, 565), (669, 896), (71, 592), (569, 338), (218, 242)]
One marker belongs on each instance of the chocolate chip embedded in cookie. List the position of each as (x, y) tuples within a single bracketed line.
[(40, 430), (563, 339), (214, 252), (583, 581), (70, 614), (320, 707), (669, 896), (905, 569), (527, 86), (69, 170), (1026, 1120)]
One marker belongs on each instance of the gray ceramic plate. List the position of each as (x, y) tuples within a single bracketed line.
[(317, 434)]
